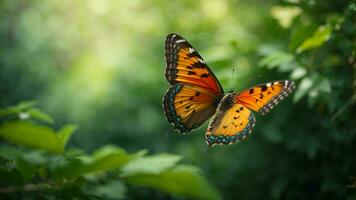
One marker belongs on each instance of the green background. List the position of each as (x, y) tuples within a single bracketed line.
[(100, 64)]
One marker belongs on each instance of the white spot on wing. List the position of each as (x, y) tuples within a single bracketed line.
[(191, 50), (179, 41), (268, 84), (201, 60)]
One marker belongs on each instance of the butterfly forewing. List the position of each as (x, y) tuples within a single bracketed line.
[(186, 66), (195, 91), (264, 97)]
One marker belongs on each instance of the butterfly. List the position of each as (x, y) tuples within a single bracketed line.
[(196, 94)]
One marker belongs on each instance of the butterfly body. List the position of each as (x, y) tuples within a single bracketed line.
[(196, 95)]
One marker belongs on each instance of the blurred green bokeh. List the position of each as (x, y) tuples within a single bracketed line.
[(100, 64)]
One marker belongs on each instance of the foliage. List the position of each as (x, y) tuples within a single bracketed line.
[(53, 171), (100, 65)]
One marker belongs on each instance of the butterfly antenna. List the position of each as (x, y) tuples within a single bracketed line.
[(232, 85)]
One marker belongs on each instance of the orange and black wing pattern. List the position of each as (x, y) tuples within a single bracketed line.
[(195, 91), (186, 66), (188, 106), (231, 123), (264, 97)]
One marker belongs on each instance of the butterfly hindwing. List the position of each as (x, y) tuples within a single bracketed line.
[(264, 97), (188, 106), (231, 122), (186, 66)]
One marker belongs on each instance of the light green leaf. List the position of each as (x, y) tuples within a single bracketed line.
[(110, 190), (65, 133), (275, 59), (320, 36), (298, 73), (323, 85), (107, 158), (31, 135), (181, 180), (17, 109), (150, 164), (39, 115), (303, 88), (300, 32)]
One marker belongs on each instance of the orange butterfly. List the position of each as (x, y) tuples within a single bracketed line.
[(196, 95)]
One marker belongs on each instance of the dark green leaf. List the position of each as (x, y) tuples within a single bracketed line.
[(26, 169)]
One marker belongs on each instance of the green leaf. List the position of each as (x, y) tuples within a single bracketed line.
[(107, 158), (65, 133), (26, 169), (320, 36), (111, 190), (323, 85), (300, 32), (17, 109), (303, 88), (39, 115), (275, 59), (298, 73), (31, 135), (34, 157), (150, 164), (182, 180)]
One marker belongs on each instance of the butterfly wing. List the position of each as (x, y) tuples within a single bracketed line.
[(188, 106), (195, 91), (231, 122), (264, 97), (186, 66)]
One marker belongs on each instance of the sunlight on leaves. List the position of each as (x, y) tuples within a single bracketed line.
[(285, 14)]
